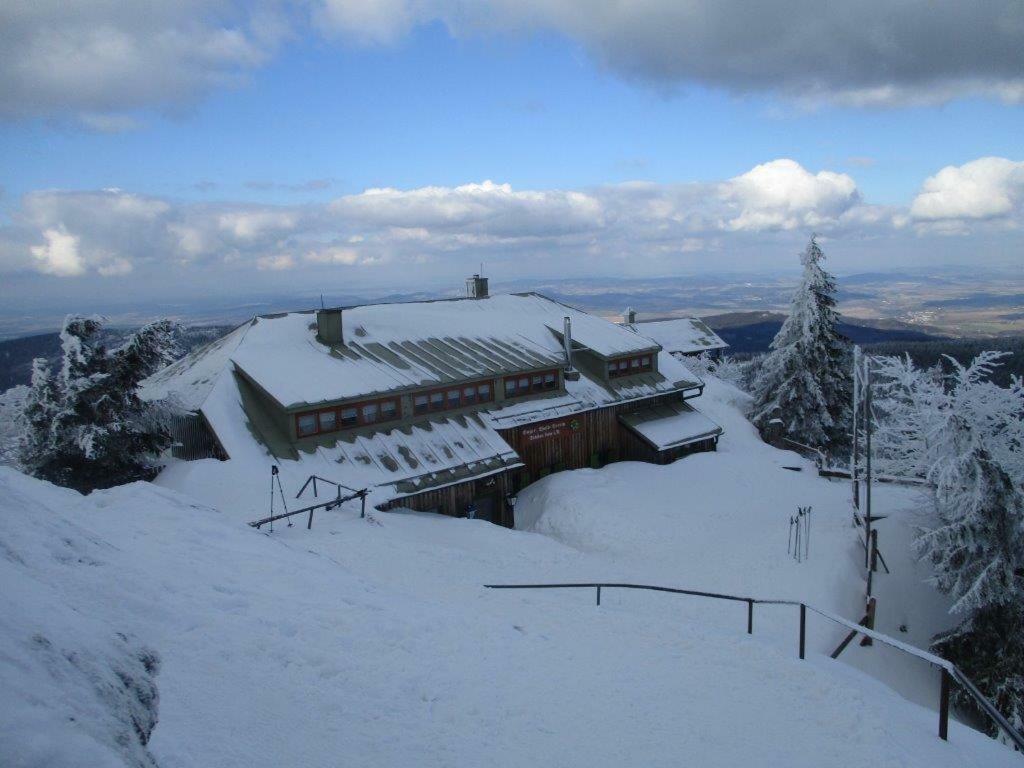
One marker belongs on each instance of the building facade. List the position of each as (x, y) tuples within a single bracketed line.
[(449, 406)]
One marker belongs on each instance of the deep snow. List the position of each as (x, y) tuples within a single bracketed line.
[(372, 642)]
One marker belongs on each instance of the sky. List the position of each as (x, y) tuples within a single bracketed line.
[(171, 150)]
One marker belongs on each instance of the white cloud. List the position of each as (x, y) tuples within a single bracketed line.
[(986, 188), (98, 59), (782, 194), (113, 233), (59, 255), (275, 263)]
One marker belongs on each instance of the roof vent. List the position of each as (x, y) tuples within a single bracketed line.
[(476, 287), (328, 326), (630, 315)]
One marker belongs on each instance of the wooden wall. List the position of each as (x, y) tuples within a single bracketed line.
[(455, 499), (594, 438)]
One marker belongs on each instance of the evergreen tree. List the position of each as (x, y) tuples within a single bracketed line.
[(977, 550), (40, 408), (87, 426), (965, 434), (804, 380)]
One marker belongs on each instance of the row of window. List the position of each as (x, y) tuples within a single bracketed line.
[(628, 366), (357, 414), (456, 397), (518, 386), (446, 399)]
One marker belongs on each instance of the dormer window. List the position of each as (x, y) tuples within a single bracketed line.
[(630, 366)]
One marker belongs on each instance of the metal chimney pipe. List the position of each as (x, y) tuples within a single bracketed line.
[(567, 342)]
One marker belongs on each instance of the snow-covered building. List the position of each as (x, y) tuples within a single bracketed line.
[(449, 405), (681, 336)]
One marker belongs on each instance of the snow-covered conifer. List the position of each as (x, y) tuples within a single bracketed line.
[(93, 431), (804, 379)]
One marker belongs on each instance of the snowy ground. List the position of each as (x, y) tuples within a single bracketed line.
[(372, 642)]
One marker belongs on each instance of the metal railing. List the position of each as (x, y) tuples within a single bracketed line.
[(328, 505), (948, 670)]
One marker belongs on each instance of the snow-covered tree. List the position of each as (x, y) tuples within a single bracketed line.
[(804, 379), (38, 414), (965, 434), (87, 427)]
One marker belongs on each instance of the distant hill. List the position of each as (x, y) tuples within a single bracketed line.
[(752, 332)]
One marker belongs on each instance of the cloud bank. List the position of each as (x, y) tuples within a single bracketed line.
[(96, 60), (111, 233)]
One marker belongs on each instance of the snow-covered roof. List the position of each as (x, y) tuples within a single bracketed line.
[(189, 381), (685, 334), (393, 347), (670, 425)]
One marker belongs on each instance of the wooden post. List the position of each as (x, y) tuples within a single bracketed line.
[(944, 706), (803, 629), (598, 594), (362, 500), (874, 549), (750, 617), (309, 525)]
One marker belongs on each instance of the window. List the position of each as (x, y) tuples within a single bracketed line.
[(542, 381), (306, 424), (333, 419), (448, 399), (630, 366), (327, 421)]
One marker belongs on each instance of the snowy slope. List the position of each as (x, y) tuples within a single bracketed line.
[(371, 642)]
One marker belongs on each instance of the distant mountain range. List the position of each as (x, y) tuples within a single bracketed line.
[(751, 332)]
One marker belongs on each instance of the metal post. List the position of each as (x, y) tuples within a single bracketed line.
[(803, 629), (944, 706), (854, 458), (867, 456), (598, 594), (874, 550), (309, 525), (362, 501), (750, 617), (314, 486)]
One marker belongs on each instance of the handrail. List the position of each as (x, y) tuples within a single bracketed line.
[(949, 669)]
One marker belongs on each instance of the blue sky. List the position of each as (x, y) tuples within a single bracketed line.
[(285, 143)]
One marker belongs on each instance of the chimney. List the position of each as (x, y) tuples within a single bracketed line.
[(328, 326), (630, 315), (570, 373), (476, 287)]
